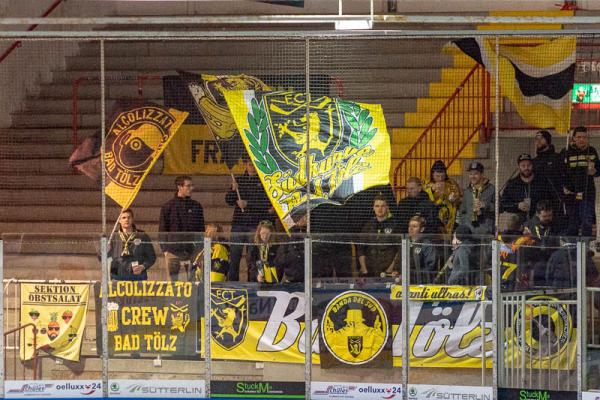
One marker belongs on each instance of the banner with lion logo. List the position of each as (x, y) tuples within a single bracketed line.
[(135, 140), (347, 144), (58, 311)]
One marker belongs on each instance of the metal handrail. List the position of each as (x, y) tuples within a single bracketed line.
[(16, 44), (448, 115), (35, 350)]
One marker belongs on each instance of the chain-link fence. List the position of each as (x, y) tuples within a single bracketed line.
[(416, 213)]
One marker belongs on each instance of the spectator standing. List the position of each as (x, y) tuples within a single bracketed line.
[(465, 258), (477, 210), (261, 257), (181, 223), (445, 194), (219, 256), (251, 206), (549, 165), (131, 251), (581, 166), (523, 192), (384, 256), (417, 202)]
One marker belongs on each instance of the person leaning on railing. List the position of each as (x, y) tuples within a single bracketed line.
[(219, 256), (261, 256), (131, 251)]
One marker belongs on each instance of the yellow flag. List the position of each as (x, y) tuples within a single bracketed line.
[(136, 139), (348, 146), (58, 312)]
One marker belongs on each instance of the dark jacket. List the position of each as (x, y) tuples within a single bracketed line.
[(423, 263), (140, 250), (290, 259), (562, 268), (253, 260), (408, 207), (379, 257), (181, 214), (251, 190), (485, 221), (549, 165), (517, 190), (576, 178)]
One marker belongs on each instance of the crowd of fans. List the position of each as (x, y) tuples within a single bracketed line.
[(550, 201)]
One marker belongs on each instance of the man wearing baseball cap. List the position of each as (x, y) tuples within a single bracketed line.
[(477, 209), (522, 193)]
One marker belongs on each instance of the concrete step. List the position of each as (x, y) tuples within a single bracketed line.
[(14, 136), (35, 150), (365, 75), (199, 63), (78, 213), (69, 181), (53, 120), (154, 198), (470, 150)]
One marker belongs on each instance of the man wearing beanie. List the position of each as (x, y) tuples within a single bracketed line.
[(549, 165), (581, 167)]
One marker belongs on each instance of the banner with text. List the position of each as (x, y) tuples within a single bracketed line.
[(58, 311)]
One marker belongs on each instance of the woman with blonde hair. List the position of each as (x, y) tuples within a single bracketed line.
[(219, 256), (261, 255)]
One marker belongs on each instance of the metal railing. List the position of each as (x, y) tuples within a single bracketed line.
[(20, 335), (465, 114)]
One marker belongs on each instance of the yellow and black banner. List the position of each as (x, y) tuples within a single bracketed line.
[(58, 311), (135, 140), (441, 293), (344, 145), (194, 151), (537, 79), (151, 317)]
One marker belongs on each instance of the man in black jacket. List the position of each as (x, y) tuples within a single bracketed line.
[(251, 206), (549, 165), (417, 202), (581, 166), (523, 192), (180, 214)]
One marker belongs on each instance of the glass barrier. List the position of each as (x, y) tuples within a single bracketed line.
[(537, 325), (155, 314), (450, 314), (591, 305), (357, 347), (256, 322), (50, 324)]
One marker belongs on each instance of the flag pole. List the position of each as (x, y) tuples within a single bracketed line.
[(237, 190)]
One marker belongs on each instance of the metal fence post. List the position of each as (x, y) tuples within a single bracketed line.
[(405, 317), (2, 349), (207, 316), (307, 315), (581, 317), (496, 320), (103, 313)]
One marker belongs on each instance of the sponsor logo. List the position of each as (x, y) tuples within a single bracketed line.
[(344, 390), (534, 395), (426, 392), (31, 388), (163, 389), (335, 390), (355, 327), (156, 389), (256, 388), (54, 388), (229, 316)]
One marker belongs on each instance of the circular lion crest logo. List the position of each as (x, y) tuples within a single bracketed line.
[(355, 327), (548, 327)]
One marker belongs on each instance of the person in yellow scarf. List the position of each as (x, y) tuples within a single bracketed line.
[(261, 256), (219, 257), (445, 194)]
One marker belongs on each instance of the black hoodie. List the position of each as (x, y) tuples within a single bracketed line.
[(549, 165), (576, 163)]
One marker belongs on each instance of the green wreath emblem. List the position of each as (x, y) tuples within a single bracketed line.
[(361, 121), (258, 138)]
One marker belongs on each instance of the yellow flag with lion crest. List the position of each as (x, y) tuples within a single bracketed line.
[(347, 144)]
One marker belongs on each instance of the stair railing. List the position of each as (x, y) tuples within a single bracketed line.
[(465, 114), (16, 333)]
